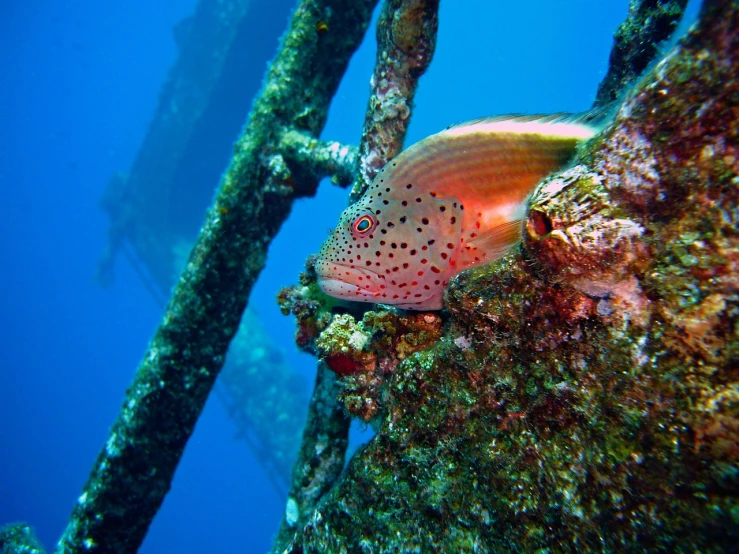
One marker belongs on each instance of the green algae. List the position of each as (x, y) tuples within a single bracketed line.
[(19, 538)]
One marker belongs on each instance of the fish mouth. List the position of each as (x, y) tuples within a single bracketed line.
[(340, 281)]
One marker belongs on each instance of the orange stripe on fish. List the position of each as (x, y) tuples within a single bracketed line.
[(450, 202)]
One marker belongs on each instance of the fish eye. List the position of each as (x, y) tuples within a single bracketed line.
[(364, 225)]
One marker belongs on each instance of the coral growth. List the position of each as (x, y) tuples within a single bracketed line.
[(311, 308), (366, 353)]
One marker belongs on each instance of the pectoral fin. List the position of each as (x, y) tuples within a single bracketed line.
[(495, 242)]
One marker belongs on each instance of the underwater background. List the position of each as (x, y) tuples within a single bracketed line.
[(80, 85)]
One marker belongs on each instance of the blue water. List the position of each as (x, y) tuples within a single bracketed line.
[(79, 85)]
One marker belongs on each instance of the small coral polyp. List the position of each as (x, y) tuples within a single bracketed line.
[(366, 353)]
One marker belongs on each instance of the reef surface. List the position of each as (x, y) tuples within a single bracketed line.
[(583, 392)]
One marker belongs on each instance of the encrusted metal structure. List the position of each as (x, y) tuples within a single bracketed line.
[(581, 393)]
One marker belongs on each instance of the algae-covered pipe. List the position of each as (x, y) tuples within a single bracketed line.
[(636, 44), (320, 458), (320, 158), (406, 40), (133, 472)]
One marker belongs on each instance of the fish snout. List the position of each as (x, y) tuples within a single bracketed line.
[(347, 282)]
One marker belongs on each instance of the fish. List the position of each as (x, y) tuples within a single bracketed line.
[(450, 202)]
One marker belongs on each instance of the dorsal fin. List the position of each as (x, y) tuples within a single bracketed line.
[(593, 120)]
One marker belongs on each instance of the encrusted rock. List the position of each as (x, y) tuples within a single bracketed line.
[(584, 392)]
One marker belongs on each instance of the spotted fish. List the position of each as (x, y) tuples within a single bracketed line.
[(450, 202)]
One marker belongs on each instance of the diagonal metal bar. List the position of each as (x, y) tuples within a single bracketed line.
[(134, 470)]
